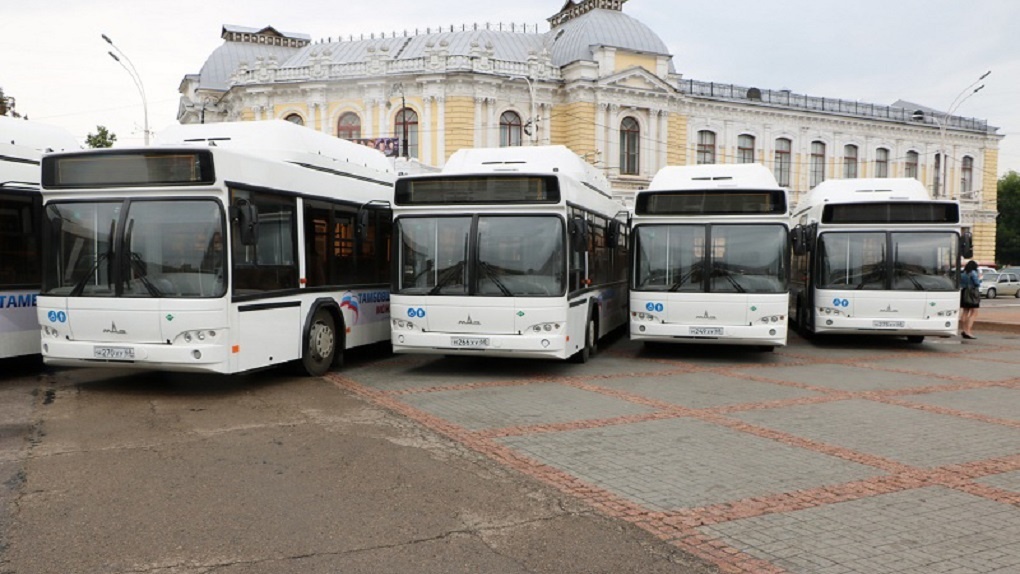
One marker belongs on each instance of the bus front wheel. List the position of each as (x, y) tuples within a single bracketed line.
[(590, 341), (320, 351)]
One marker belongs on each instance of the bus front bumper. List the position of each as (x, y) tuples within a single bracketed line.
[(938, 327), (538, 346), (773, 334), (203, 358)]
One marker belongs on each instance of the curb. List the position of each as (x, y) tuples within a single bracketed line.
[(996, 326)]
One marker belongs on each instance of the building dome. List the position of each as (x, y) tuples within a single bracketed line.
[(581, 27)]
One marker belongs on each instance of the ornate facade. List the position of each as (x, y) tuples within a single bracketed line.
[(601, 83)]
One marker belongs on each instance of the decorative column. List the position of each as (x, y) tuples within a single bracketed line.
[(441, 131)]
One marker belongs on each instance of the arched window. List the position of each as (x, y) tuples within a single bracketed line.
[(349, 126), (706, 147), (849, 161), (745, 149), (295, 119), (817, 163), (783, 160), (630, 150), (967, 174), (510, 129), (910, 167), (881, 162), (405, 127)]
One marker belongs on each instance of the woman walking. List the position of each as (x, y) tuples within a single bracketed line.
[(970, 299)]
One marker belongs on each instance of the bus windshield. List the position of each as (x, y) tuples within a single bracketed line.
[(900, 261), (489, 256), (739, 258), (164, 248)]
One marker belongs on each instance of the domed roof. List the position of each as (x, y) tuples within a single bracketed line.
[(575, 39)]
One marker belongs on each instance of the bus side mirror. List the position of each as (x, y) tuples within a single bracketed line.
[(361, 227), (798, 240), (579, 234), (247, 222), (967, 245)]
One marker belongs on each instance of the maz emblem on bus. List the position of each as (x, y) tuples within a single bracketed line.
[(469, 322), (113, 330), (706, 316)]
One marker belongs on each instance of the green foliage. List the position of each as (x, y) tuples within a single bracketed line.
[(101, 139), (1007, 230)]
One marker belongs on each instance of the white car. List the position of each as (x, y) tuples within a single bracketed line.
[(995, 284)]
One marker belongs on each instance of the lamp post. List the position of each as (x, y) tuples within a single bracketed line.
[(943, 178), (531, 126), (137, 79)]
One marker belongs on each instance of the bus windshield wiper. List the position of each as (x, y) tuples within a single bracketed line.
[(79, 287), (729, 277), (139, 266), (917, 284), (685, 277), (448, 275), (491, 273)]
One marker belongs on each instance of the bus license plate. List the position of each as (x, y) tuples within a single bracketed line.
[(469, 341), (889, 324), (114, 353), (706, 331)]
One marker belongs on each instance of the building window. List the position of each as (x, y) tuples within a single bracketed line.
[(510, 129), (630, 150), (783, 161), (405, 127), (967, 174), (910, 168), (745, 149), (849, 161), (295, 119), (706, 147), (881, 162), (349, 126), (817, 163)]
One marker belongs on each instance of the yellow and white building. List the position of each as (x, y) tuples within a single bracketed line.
[(597, 81)]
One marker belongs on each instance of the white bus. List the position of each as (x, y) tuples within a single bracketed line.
[(228, 247), (710, 257), (512, 252), (876, 256), (22, 144)]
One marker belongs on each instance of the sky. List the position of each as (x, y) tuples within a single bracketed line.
[(56, 66)]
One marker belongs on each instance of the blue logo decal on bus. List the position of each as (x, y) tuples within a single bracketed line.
[(841, 302), (650, 306), (659, 307), (419, 313), (52, 315), (350, 302)]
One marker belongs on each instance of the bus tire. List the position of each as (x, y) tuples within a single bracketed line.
[(915, 339), (590, 341), (320, 351)]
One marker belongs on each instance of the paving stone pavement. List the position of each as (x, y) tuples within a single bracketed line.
[(840, 456)]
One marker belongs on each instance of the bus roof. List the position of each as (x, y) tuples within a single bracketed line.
[(279, 140), (532, 159), (35, 136), (714, 176), (864, 190)]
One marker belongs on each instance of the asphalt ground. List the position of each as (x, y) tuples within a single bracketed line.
[(834, 456)]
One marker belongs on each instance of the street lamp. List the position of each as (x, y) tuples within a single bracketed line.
[(963, 96), (531, 126), (137, 79)]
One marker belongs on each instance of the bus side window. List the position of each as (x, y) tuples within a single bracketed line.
[(271, 264)]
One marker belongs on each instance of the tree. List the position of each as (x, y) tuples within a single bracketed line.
[(1007, 228), (102, 138)]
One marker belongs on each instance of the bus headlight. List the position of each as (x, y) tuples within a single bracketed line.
[(948, 313), (551, 327), (830, 311), (644, 317), (772, 319), (199, 335), (403, 325), (51, 332)]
